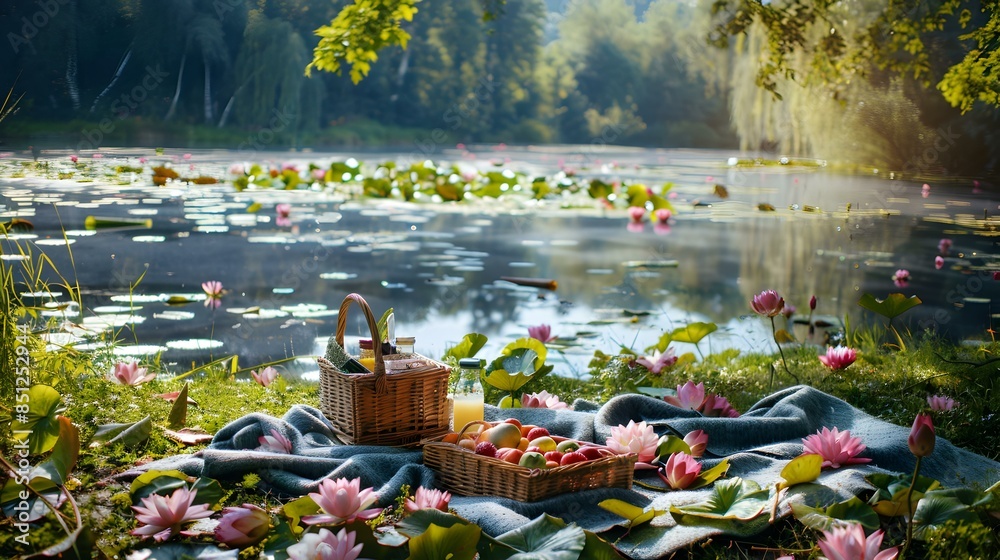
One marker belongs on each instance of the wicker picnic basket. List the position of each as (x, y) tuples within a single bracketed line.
[(400, 409), (465, 473)]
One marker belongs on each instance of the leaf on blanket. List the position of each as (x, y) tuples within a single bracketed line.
[(670, 444), (457, 542), (705, 478), (597, 548), (733, 498), (189, 436), (547, 538), (636, 515), (839, 514), (804, 468)]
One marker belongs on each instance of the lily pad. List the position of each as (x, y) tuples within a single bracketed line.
[(804, 468), (731, 499), (634, 514), (546, 538), (40, 425), (891, 307), (839, 514), (693, 332)]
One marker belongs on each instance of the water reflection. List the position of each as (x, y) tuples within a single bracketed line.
[(439, 267)]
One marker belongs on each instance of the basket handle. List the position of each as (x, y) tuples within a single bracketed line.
[(381, 384)]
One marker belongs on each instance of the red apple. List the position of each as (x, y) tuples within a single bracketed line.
[(553, 456), (536, 433), (572, 457)]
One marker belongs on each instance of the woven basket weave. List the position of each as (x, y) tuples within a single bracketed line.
[(399, 409), (465, 473)]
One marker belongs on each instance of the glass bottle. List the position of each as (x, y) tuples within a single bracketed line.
[(404, 344), (367, 355), (468, 396)]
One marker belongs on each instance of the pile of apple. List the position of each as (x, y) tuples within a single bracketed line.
[(526, 445)]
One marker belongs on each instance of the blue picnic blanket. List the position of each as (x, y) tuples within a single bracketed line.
[(758, 445)]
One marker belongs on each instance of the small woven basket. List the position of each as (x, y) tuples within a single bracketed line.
[(400, 409), (465, 473)]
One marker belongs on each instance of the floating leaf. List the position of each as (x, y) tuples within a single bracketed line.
[(765, 207), (40, 425), (804, 468), (693, 332), (634, 514), (128, 435), (178, 412), (732, 498), (599, 189), (843, 513), (467, 348), (891, 307), (721, 191), (546, 538)]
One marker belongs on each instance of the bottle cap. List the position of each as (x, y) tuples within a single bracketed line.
[(471, 363), (366, 344), (404, 340)]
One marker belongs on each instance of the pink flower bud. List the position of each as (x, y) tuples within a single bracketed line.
[(922, 438)]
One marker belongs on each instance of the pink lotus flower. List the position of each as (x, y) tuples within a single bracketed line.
[(187, 156), (662, 215), (634, 438), (680, 471), (922, 437), (996, 275), (835, 447), (163, 516), (237, 169), (241, 527), (265, 377), (326, 546), (131, 374), (812, 303), (944, 246), (697, 441), (542, 400), (284, 212), (849, 543), (74, 158), (768, 303), (212, 289), (839, 357), (97, 156), (689, 396), (901, 278), (658, 362), (275, 443), (425, 498), (925, 191), (636, 213), (717, 406), (319, 174), (143, 160), (939, 262), (342, 501), (939, 403), (541, 333)]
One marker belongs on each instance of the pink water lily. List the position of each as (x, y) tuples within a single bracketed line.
[(768, 303), (680, 471), (265, 377), (74, 158), (241, 527), (850, 543), (342, 501), (922, 437), (275, 442), (162, 516), (541, 333), (901, 278), (944, 246), (717, 406), (658, 362), (428, 498), (835, 447), (697, 441), (131, 374), (636, 213), (940, 403), (689, 396), (325, 545), (542, 399), (839, 357), (662, 215), (634, 438), (212, 289), (319, 174), (938, 262), (283, 217)]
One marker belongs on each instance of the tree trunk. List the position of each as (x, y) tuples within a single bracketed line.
[(177, 91), (114, 79), (72, 86), (208, 90), (232, 100)]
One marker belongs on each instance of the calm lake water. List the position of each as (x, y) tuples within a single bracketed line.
[(439, 265)]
